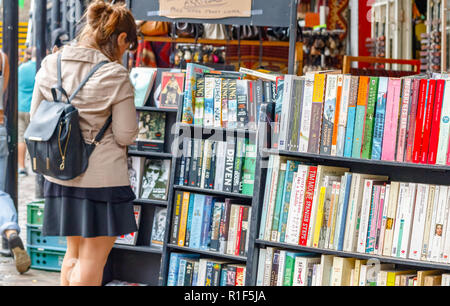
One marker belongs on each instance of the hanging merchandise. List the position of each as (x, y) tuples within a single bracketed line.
[(197, 53), (430, 54)]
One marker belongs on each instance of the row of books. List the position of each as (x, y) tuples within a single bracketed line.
[(210, 223), (191, 270), (393, 119), (158, 228), (149, 177), (333, 208), (220, 165), (277, 267), (218, 99)]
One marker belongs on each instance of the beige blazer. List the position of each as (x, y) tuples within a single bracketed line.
[(109, 91)]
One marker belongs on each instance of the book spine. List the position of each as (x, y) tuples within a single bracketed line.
[(267, 192), (200, 163), (343, 218), (351, 115), (232, 104), (401, 141), (224, 96), (189, 219), (380, 219), (360, 117), (427, 122), (215, 226), (340, 83), (419, 121), (384, 220), (172, 275), (183, 218), (238, 161), (405, 242), (294, 215), (412, 121), (180, 179), (196, 143), (196, 227), (295, 123), (399, 219), (380, 112), (427, 243), (436, 120), (305, 122), (248, 170), (343, 115), (444, 130), (241, 97), (372, 228), (391, 121), (438, 226), (232, 228), (199, 102), (364, 219), (189, 89), (176, 217), (366, 151), (223, 229), (279, 197), (285, 111), (420, 212), (187, 161), (207, 159), (208, 112), (229, 166), (316, 113), (217, 102), (205, 239), (428, 219), (251, 105), (289, 184), (445, 243), (328, 115), (319, 217), (219, 170), (243, 246), (238, 231), (309, 197), (271, 199)]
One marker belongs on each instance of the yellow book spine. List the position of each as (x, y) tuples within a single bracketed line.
[(319, 87), (319, 216), (183, 219)]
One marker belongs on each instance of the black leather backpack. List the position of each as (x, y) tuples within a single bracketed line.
[(53, 137)]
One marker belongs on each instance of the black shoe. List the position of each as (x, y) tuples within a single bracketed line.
[(21, 257)]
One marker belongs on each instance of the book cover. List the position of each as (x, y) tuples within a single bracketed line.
[(360, 117), (329, 110), (436, 121), (174, 264), (410, 132), (183, 218), (131, 238), (428, 121), (155, 179), (391, 120), (193, 71), (316, 113), (199, 102), (420, 118), (343, 115), (135, 169), (351, 114), (217, 114), (232, 104), (366, 150), (241, 98), (158, 227), (151, 131), (142, 79), (403, 120), (172, 85), (229, 165), (340, 84), (380, 111)]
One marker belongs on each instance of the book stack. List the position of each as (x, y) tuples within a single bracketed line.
[(333, 208), (218, 99), (220, 165), (207, 223), (393, 119), (278, 267), (191, 270)]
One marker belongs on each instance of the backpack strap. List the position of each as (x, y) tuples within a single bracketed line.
[(58, 90), (86, 79), (101, 133)]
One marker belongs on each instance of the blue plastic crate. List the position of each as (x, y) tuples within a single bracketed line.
[(35, 239), (46, 259)]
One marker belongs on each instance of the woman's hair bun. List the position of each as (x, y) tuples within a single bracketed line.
[(96, 11)]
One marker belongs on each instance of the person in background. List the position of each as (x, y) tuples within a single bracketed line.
[(60, 37), (9, 228), (26, 75), (96, 207)]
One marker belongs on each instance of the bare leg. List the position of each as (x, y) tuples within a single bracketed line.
[(22, 150), (70, 259), (8, 233), (93, 254)]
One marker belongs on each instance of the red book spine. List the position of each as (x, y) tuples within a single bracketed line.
[(427, 123), (419, 121), (309, 196), (239, 229), (434, 138), (412, 121)]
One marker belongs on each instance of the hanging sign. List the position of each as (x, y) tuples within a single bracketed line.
[(205, 9)]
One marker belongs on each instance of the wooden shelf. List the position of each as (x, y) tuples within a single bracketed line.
[(209, 253), (213, 192), (384, 259)]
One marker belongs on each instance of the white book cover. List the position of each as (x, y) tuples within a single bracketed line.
[(445, 242), (340, 84), (261, 266), (208, 117), (437, 227), (428, 217), (339, 212), (340, 275), (272, 197), (332, 228), (399, 218), (322, 171), (431, 227), (316, 268), (201, 278), (285, 111), (306, 113), (343, 114), (379, 250), (268, 266), (325, 269), (207, 150), (267, 192), (444, 127), (301, 266), (362, 275), (390, 219), (217, 102), (365, 211), (296, 205), (220, 164), (354, 209), (281, 263), (352, 277), (232, 229), (445, 281), (409, 209), (418, 226)]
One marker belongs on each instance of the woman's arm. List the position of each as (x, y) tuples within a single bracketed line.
[(5, 72), (124, 123)]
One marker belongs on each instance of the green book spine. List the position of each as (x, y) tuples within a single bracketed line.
[(248, 170), (278, 201), (288, 270), (370, 113), (199, 101)]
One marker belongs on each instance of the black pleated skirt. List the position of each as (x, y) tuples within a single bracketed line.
[(88, 212)]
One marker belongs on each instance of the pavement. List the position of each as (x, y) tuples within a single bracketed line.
[(8, 273)]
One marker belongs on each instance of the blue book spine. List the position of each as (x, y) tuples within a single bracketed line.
[(264, 211), (209, 273), (380, 112), (344, 213), (181, 272), (223, 277), (359, 130), (196, 227), (195, 275), (206, 224), (189, 219), (349, 132), (172, 275)]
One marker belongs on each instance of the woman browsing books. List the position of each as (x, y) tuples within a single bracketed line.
[(94, 208)]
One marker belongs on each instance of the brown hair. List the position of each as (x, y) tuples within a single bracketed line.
[(104, 23)]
